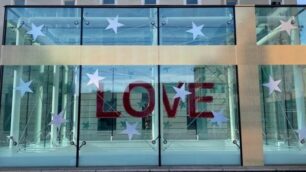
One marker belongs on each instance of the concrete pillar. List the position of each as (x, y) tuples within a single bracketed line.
[(249, 92), (299, 95), (54, 132), (65, 103), (155, 115), (15, 113), (232, 101), (75, 103), (39, 100)]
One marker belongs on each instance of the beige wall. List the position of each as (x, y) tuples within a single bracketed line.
[(88, 2), (43, 2), (129, 2), (171, 2), (261, 2), (212, 2)]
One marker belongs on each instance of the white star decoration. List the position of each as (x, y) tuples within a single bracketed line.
[(24, 87), (58, 120), (272, 85), (196, 30), (130, 130), (94, 78), (219, 118), (181, 93), (113, 24), (287, 26), (302, 134), (36, 31)]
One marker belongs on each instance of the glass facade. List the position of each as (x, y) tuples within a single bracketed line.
[(119, 116), (204, 126), (43, 26), (120, 26), (197, 26), (283, 109), (38, 116), (123, 112), (169, 114), (280, 26)]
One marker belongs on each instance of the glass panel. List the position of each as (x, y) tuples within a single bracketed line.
[(197, 26), (38, 116), (119, 119), (283, 114), (120, 26), (43, 26), (280, 26), (200, 115)]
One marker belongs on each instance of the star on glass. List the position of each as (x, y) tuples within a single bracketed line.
[(302, 134), (130, 130), (113, 24), (218, 118), (287, 26), (94, 79), (181, 93), (58, 120), (36, 31), (24, 87), (196, 30), (272, 85)]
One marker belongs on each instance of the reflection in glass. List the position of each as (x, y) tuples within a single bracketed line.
[(119, 119), (120, 26), (197, 26), (38, 116), (43, 26), (203, 129), (283, 114), (280, 26)]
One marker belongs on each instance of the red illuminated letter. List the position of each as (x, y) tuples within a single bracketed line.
[(127, 104), (170, 111), (100, 108), (193, 99)]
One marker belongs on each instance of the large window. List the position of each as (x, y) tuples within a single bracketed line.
[(38, 116), (124, 112), (280, 26), (197, 26), (120, 26), (200, 115), (283, 114), (43, 26)]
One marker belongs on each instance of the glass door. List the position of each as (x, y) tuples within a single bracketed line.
[(119, 119), (199, 115)]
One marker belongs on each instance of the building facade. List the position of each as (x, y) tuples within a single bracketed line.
[(165, 82)]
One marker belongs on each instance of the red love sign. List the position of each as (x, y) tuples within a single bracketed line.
[(170, 109)]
